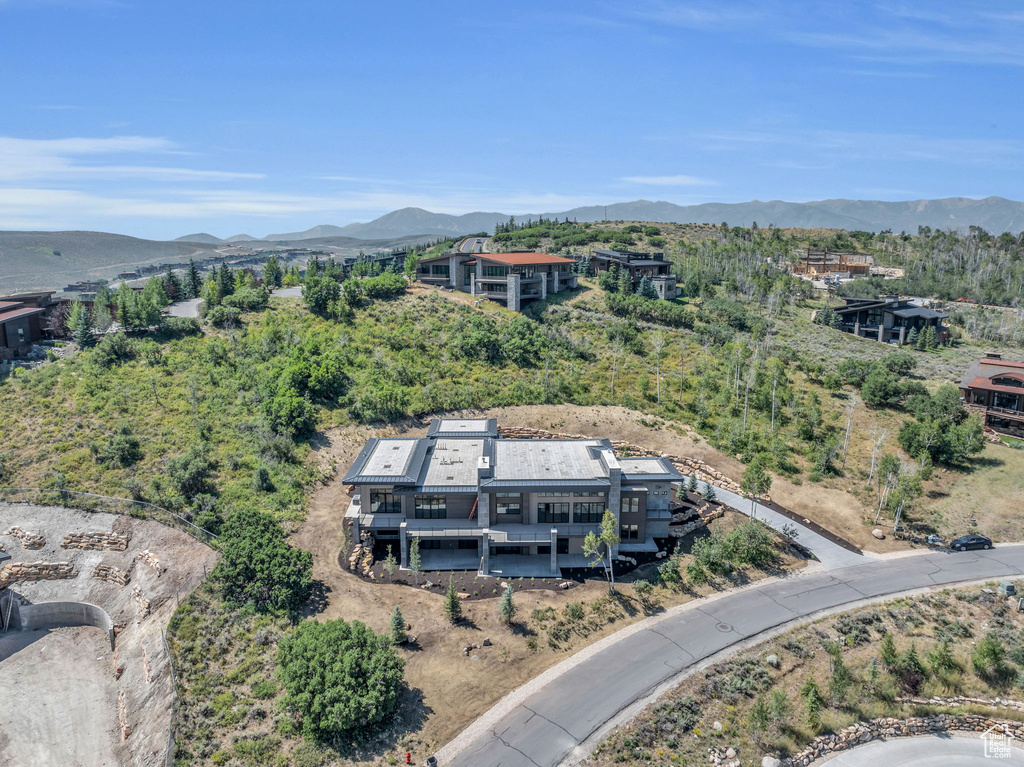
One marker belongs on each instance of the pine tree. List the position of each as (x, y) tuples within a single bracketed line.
[(931, 341), (840, 681), (101, 319), (625, 283), (172, 285), (193, 283), (692, 485), (225, 281), (452, 603), (80, 326), (812, 708), (913, 337), (398, 633), (887, 653), (709, 492), (507, 607), (415, 563)]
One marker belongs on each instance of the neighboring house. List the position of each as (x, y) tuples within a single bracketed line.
[(639, 265), (816, 263), (994, 389), (889, 319), (504, 506), (509, 278), (21, 322)]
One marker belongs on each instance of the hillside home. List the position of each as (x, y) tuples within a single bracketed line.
[(993, 388), (889, 319), (504, 506), (21, 322), (509, 278), (639, 265)]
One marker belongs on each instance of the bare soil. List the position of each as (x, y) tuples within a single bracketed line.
[(64, 676)]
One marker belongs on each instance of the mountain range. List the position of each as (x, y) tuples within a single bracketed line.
[(995, 214)]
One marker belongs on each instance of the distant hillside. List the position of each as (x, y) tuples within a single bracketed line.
[(995, 214), (202, 237), (51, 260)]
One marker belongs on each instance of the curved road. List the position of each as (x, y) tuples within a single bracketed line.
[(926, 751), (565, 717)]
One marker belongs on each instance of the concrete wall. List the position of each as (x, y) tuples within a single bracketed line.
[(56, 614)]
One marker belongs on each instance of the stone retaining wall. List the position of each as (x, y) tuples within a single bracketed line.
[(892, 727), (686, 466), (111, 574), (95, 541), (28, 540), (681, 531), (961, 700), (16, 572)]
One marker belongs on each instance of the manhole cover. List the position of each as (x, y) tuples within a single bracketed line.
[(724, 627)]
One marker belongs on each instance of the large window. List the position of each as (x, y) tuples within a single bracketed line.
[(439, 270), (630, 505), (431, 507), (491, 287), (495, 271), (552, 495), (629, 532), (587, 513), (552, 512), (875, 317), (384, 502)]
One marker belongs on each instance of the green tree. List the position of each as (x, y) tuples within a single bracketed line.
[(172, 285), (779, 709), (390, 565), (813, 704), (887, 653), (193, 282), (840, 680), (709, 492), (259, 567), (507, 607), (452, 603), (598, 547), (399, 635), (756, 481), (623, 282), (273, 275), (79, 325), (881, 388), (319, 295), (339, 676), (692, 483), (415, 560), (759, 717), (989, 657), (909, 671), (941, 659)]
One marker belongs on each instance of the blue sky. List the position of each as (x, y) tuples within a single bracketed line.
[(158, 118)]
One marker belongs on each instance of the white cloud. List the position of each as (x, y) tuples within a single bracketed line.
[(668, 181), (66, 158)]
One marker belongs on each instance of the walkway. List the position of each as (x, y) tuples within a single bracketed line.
[(926, 751), (830, 554), (584, 697)]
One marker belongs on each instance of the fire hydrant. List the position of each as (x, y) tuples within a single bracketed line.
[(408, 757)]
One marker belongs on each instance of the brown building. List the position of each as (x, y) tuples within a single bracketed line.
[(889, 319), (994, 389), (509, 278), (639, 265), (820, 263), (21, 322)]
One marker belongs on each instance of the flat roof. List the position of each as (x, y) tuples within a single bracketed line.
[(470, 427), (7, 316), (523, 259), (453, 462), (548, 459), (390, 458), (918, 311)]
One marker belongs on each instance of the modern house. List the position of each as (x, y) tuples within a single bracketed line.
[(639, 265), (994, 389), (504, 506), (21, 322), (509, 278), (816, 263), (889, 319)]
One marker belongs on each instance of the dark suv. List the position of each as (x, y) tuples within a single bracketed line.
[(971, 542)]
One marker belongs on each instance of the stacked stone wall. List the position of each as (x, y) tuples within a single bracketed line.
[(95, 541), (28, 540), (111, 574), (18, 572), (892, 727)]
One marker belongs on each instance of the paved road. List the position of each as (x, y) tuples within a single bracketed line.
[(189, 308), (830, 554), (472, 245), (925, 751), (288, 292), (550, 724)]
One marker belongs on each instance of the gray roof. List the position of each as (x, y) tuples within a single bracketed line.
[(550, 460), (463, 427), (640, 469), (986, 369), (919, 311), (453, 462), (388, 462)]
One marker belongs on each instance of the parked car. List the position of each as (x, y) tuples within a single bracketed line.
[(971, 542)]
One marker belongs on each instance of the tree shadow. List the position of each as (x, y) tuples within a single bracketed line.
[(522, 629), (383, 739), (317, 601)]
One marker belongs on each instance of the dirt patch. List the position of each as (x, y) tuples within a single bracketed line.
[(68, 675)]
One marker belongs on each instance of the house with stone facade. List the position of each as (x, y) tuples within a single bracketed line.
[(504, 506), (889, 319), (639, 265), (993, 388), (512, 279)]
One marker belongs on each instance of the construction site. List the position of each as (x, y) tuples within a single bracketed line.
[(84, 599)]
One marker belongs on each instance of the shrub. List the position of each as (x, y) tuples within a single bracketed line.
[(122, 449), (248, 299), (264, 689), (114, 349), (387, 285), (339, 676), (319, 294), (189, 474), (223, 316), (259, 567)]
